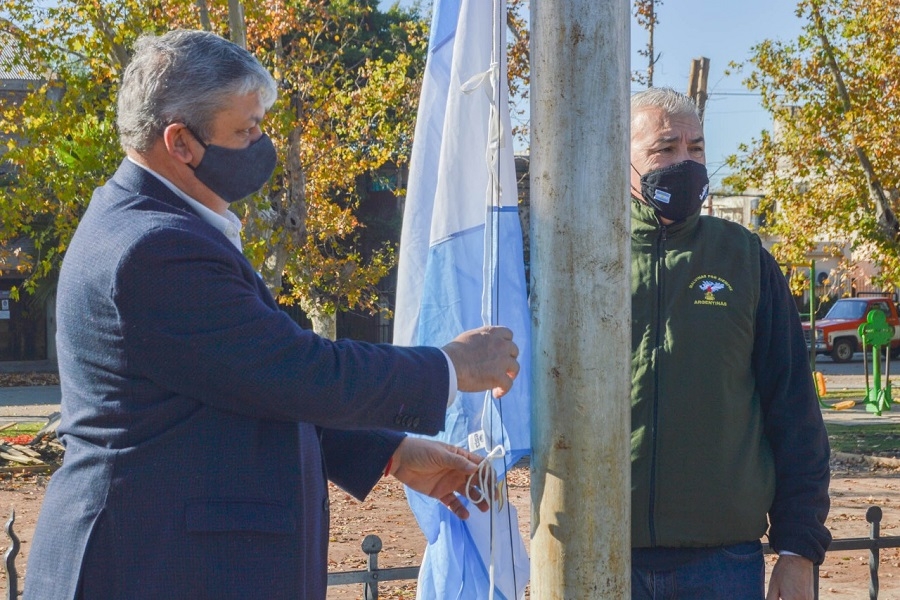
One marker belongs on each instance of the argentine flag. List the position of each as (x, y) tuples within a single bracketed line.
[(461, 266)]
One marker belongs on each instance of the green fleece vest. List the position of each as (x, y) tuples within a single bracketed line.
[(702, 470)]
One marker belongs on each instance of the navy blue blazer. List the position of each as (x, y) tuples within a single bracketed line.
[(200, 421)]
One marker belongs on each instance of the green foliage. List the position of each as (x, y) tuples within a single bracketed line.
[(62, 141), (822, 167), (349, 82)]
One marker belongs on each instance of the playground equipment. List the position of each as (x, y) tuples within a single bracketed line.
[(819, 380), (876, 334)]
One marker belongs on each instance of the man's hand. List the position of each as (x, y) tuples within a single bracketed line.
[(792, 579), (484, 359), (436, 469)]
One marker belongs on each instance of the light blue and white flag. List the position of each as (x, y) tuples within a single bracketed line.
[(461, 266)]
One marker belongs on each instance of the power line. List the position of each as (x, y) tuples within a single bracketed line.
[(753, 94)]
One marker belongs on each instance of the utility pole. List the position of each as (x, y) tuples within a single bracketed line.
[(580, 300), (697, 90), (697, 84)]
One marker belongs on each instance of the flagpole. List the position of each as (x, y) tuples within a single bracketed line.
[(580, 299)]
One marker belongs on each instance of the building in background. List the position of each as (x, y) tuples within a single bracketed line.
[(26, 325)]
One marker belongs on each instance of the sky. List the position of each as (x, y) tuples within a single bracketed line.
[(723, 31)]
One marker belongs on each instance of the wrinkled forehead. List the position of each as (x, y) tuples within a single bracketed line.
[(653, 125)]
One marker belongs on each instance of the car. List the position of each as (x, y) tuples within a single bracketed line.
[(837, 335)]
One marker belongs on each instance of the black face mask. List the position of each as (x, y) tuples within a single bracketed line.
[(232, 173), (677, 191)]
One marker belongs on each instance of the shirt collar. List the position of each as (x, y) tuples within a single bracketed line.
[(229, 223)]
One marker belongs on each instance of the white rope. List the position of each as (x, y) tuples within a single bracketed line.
[(488, 488), (491, 491)]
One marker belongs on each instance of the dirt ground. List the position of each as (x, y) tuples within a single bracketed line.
[(845, 575), (855, 486)]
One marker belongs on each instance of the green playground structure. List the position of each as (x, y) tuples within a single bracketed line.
[(876, 334)]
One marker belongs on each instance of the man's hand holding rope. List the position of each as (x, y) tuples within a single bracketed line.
[(438, 470)]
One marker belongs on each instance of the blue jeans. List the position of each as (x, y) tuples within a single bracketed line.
[(730, 573)]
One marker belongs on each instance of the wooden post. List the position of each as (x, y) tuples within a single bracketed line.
[(580, 299), (697, 82)]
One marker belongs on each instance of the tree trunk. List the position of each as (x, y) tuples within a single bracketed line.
[(324, 324), (236, 22), (883, 212), (288, 208), (650, 50), (120, 53), (204, 15)]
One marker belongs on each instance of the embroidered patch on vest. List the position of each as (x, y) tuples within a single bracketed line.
[(707, 287)]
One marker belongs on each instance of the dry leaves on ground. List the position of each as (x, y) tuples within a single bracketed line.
[(27, 379)]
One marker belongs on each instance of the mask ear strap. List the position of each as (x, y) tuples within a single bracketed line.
[(201, 142), (197, 137), (635, 192)]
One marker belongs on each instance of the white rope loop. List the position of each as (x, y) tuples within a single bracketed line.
[(487, 481)]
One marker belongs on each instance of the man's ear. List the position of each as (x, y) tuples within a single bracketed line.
[(178, 141)]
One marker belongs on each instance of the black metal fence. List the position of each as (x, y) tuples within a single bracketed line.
[(370, 578), (372, 575)]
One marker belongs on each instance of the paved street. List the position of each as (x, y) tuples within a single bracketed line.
[(33, 403), (853, 368)]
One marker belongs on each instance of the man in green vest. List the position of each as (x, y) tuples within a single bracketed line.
[(728, 442)]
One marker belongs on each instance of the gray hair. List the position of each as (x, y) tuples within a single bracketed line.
[(185, 77), (674, 103)]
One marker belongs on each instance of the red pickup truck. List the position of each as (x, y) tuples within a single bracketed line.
[(838, 333)]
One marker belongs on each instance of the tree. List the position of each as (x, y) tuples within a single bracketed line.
[(348, 76), (518, 67), (63, 140), (830, 167), (646, 16)]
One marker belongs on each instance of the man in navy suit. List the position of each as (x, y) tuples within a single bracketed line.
[(200, 422)]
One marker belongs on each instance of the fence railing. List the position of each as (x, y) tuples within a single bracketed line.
[(370, 578), (372, 575)]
